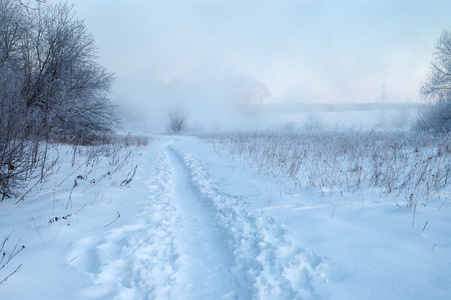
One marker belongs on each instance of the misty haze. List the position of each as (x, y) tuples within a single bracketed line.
[(214, 149)]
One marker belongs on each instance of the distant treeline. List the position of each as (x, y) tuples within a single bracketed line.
[(335, 107)]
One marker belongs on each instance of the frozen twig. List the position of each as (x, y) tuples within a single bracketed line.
[(117, 217), (12, 273), (35, 226)]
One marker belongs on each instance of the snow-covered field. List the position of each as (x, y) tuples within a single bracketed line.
[(196, 222)]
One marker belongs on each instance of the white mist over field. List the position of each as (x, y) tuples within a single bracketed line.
[(212, 107), (184, 53), (145, 105)]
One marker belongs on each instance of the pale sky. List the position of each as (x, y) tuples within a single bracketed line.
[(303, 51)]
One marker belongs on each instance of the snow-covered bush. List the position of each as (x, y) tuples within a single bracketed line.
[(51, 88), (177, 121), (19, 149), (61, 86), (436, 117)]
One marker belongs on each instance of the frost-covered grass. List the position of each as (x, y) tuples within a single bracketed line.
[(412, 166), (74, 180)]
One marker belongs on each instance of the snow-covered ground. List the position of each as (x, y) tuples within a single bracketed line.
[(195, 223)]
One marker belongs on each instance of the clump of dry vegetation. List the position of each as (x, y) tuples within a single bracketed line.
[(413, 166)]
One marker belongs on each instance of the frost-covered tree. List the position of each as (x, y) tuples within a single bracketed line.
[(436, 89), (63, 87), (177, 121), (17, 156), (313, 122), (246, 93), (12, 31), (64, 83), (51, 87)]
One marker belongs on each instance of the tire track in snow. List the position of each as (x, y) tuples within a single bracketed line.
[(266, 263)]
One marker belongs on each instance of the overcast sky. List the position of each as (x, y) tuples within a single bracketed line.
[(304, 51)]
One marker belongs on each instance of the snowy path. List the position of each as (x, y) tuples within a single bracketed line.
[(174, 233), (205, 262), (262, 263), (191, 241)]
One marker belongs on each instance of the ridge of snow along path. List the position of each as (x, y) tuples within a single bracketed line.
[(138, 260), (263, 263)]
